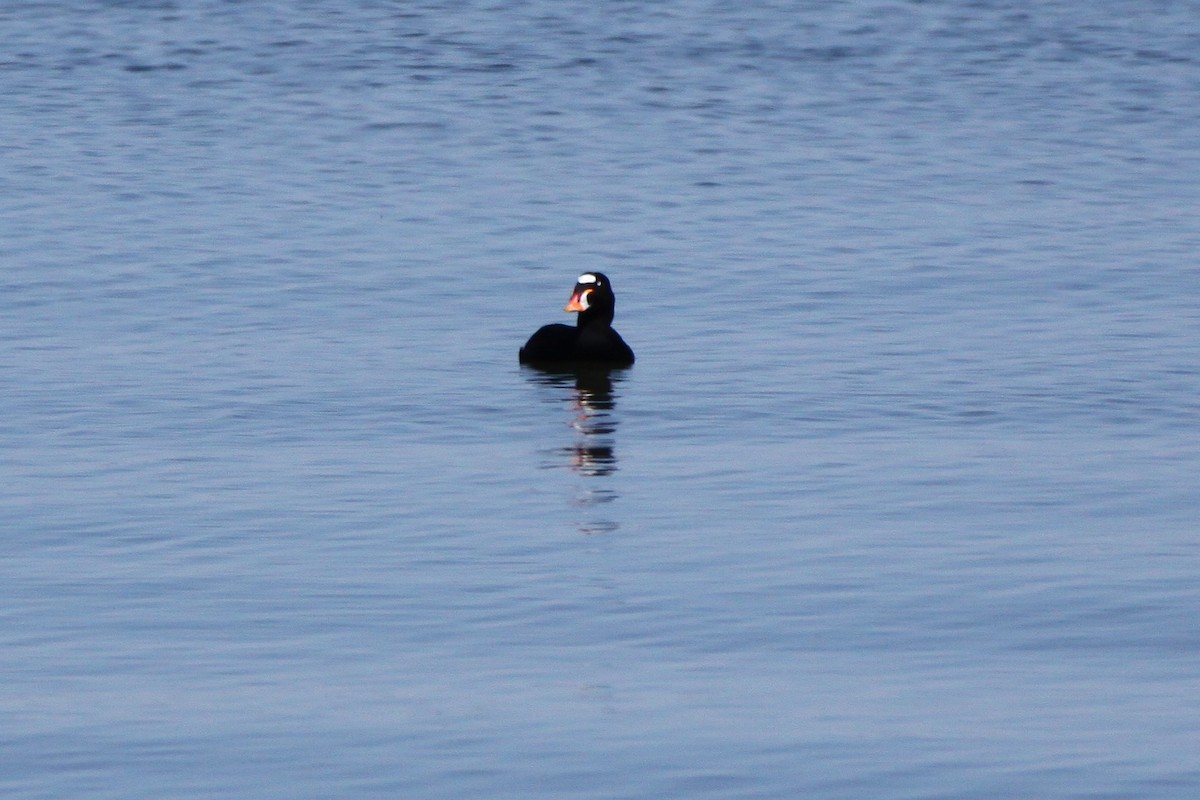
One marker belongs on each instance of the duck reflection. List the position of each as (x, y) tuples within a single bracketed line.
[(588, 391), (588, 394)]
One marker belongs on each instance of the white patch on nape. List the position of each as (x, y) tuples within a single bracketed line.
[(587, 277)]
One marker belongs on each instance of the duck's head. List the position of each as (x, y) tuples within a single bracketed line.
[(592, 297)]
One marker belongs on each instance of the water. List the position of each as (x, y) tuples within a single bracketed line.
[(899, 500)]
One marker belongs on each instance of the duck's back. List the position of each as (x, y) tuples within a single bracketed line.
[(555, 342)]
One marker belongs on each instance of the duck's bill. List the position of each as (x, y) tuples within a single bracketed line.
[(578, 301)]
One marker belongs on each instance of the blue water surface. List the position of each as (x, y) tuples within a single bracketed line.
[(899, 500)]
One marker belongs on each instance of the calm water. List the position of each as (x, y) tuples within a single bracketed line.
[(899, 501)]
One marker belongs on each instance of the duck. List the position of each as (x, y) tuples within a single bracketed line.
[(592, 340)]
